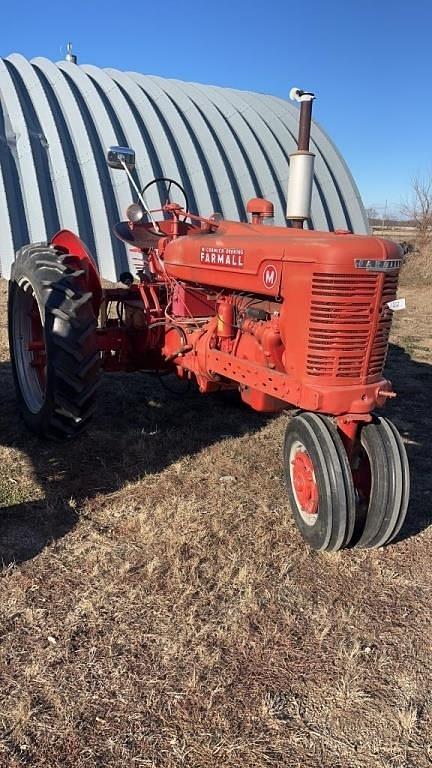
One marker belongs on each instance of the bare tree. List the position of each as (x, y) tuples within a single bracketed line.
[(419, 209)]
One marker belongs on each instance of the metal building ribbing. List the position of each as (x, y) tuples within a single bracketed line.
[(223, 145)]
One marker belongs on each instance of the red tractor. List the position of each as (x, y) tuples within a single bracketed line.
[(288, 317)]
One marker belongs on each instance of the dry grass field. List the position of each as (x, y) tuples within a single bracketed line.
[(159, 609), (418, 267)]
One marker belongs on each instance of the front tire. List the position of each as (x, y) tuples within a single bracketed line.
[(382, 480), (52, 338), (319, 482)]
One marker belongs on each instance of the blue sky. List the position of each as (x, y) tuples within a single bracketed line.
[(369, 63)]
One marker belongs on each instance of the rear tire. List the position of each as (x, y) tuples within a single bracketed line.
[(319, 482), (52, 338)]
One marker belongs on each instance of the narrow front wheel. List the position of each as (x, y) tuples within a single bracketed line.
[(382, 481), (319, 482)]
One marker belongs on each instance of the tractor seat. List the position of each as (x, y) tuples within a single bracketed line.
[(142, 235)]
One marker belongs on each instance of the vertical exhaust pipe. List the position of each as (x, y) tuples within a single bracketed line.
[(301, 168)]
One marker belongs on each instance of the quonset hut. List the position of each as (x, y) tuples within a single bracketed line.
[(223, 145)]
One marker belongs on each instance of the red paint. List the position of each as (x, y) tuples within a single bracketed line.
[(282, 313), (304, 482), (188, 301), (74, 246), (37, 345), (225, 316), (260, 209)]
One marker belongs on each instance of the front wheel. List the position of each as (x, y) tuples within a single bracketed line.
[(52, 338), (319, 482), (382, 482)]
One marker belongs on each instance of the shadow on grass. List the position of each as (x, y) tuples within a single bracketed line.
[(141, 428), (411, 412)]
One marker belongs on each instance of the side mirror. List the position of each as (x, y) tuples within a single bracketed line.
[(119, 157)]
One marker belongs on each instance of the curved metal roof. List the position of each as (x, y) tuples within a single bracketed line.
[(223, 145)]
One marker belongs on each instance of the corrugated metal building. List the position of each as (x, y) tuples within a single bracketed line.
[(223, 145)]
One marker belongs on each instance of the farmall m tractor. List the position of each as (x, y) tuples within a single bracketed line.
[(288, 317)]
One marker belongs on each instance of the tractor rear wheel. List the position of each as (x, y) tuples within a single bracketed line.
[(381, 478), (319, 482), (52, 337)]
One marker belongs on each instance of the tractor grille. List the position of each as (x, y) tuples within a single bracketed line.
[(344, 309), (380, 345)]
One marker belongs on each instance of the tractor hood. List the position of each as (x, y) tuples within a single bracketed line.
[(249, 257)]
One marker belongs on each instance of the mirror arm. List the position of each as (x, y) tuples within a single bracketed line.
[(147, 210)]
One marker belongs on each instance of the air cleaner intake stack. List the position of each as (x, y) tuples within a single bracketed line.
[(301, 164)]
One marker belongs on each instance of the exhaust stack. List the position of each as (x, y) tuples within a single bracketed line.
[(301, 164)]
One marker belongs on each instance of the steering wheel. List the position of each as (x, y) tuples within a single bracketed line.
[(168, 183)]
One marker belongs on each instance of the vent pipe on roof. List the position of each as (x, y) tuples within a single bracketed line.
[(69, 55), (301, 168)]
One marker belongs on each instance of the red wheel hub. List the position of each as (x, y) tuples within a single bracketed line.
[(304, 483), (37, 345)]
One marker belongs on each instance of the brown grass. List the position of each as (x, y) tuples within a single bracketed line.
[(158, 607), (418, 267)]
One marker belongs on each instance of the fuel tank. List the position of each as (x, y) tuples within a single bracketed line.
[(252, 258)]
